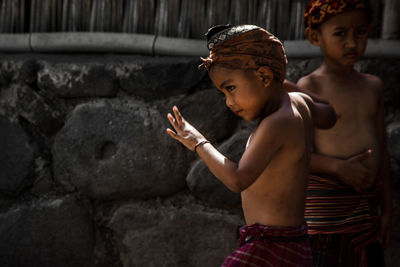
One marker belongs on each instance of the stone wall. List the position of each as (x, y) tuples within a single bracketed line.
[(88, 176)]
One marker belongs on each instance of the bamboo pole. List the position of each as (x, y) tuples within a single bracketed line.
[(391, 20), (2, 17), (252, 12), (161, 19), (146, 12), (217, 12), (173, 15), (198, 27), (9, 16), (184, 19), (238, 12)]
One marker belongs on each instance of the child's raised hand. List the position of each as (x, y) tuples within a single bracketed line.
[(353, 172), (184, 131)]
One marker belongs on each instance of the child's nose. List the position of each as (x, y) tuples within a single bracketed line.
[(229, 101), (351, 41)]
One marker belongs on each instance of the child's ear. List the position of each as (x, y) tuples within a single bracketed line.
[(265, 74), (312, 35)]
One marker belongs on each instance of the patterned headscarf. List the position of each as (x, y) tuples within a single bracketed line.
[(246, 47), (319, 11)]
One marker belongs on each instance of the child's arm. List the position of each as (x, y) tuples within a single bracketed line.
[(384, 175), (351, 171), (323, 114), (236, 176)]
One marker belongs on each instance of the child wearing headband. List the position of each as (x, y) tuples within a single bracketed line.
[(350, 165), (247, 64)]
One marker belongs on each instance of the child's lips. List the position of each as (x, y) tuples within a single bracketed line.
[(237, 112), (351, 54)]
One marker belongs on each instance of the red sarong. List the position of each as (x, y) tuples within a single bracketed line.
[(275, 246)]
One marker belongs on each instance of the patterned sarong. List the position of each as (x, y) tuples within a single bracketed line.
[(335, 208), (275, 246)]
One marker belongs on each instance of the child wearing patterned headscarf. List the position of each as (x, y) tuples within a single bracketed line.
[(348, 205), (247, 64)]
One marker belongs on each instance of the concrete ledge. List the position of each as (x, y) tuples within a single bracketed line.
[(100, 42), (375, 48), (92, 42), (180, 47), (383, 48), (18, 42), (301, 49)]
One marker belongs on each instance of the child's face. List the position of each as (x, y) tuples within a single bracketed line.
[(245, 92), (343, 38)]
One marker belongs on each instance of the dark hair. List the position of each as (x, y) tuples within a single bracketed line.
[(216, 29)]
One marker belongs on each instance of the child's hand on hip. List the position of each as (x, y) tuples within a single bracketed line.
[(353, 172), (184, 131)]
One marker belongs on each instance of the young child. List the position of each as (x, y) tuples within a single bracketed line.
[(247, 64), (350, 162)]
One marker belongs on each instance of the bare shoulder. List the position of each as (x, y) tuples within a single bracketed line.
[(274, 123), (301, 100), (373, 82), (271, 133), (278, 125), (321, 114), (310, 82)]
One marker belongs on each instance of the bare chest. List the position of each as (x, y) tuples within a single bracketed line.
[(352, 103), (355, 129)]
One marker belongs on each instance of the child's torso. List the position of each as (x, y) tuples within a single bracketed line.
[(356, 104), (277, 196)]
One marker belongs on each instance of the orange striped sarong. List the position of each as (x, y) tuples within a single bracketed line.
[(333, 207)]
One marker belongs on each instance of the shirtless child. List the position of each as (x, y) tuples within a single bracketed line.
[(351, 159), (247, 64)]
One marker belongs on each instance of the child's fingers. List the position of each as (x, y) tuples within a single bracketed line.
[(362, 156), (365, 155), (178, 115), (172, 120), (172, 133)]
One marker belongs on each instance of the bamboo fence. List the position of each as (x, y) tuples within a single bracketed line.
[(174, 18)]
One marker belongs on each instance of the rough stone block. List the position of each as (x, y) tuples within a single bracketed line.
[(24, 101), (393, 140), (298, 68), (160, 77), (47, 233), (16, 157), (72, 80), (10, 70), (168, 236), (206, 186), (388, 71), (113, 149)]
